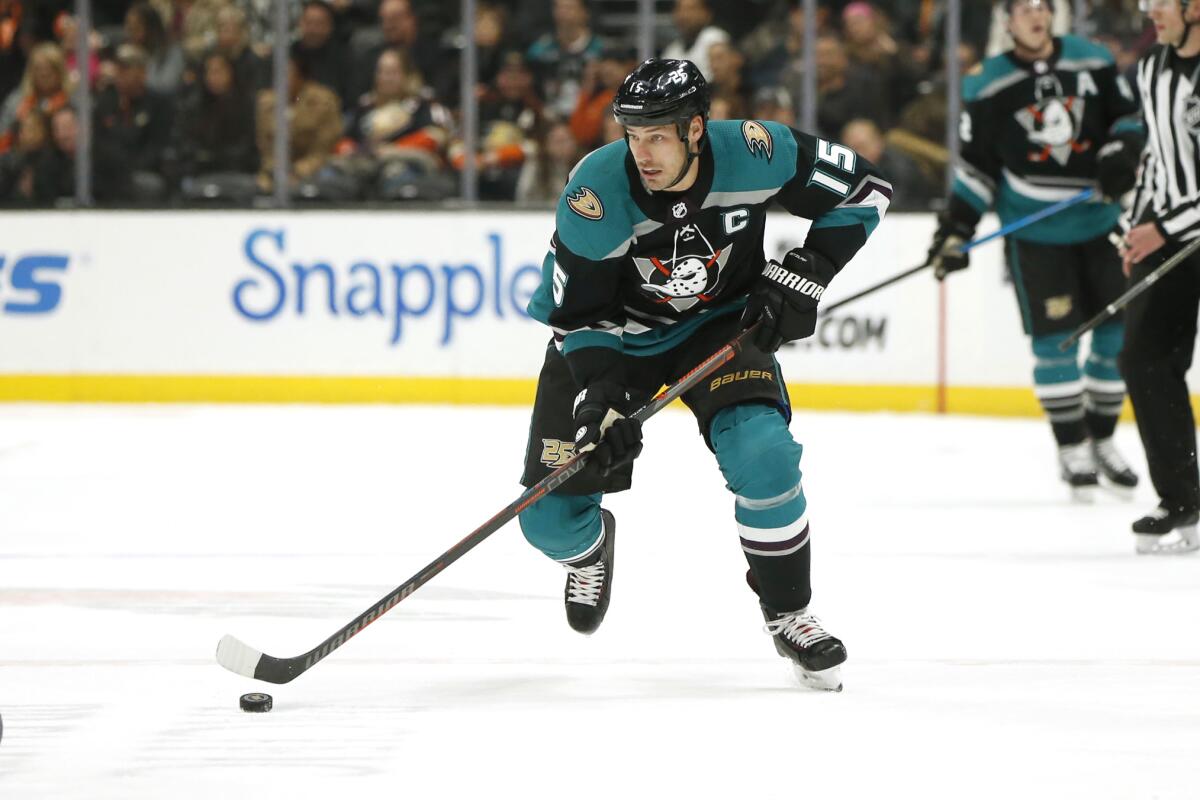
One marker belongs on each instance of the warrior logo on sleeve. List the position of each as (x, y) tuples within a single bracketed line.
[(689, 276), (758, 139), (584, 202)]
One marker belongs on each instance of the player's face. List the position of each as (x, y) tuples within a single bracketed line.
[(1029, 24), (1167, 17), (658, 153)]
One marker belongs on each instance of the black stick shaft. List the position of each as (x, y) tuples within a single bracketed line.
[(873, 289), (1132, 293), (282, 670)]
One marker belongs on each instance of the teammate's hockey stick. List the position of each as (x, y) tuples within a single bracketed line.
[(1132, 292), (1015, 225), (239, 657)]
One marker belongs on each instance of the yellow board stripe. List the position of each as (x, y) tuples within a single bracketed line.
[(1002, 401)]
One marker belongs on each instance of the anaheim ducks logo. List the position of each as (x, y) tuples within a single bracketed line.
[(758, 140), (585, 203)]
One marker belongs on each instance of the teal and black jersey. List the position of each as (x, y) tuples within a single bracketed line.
[(1030, 133), (635, 272)]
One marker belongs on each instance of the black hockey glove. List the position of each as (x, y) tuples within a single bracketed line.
[(1116, 168), (601, 425), (785, 298), (945, 253)]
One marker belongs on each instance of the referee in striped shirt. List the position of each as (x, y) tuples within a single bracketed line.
[(1160, 325)]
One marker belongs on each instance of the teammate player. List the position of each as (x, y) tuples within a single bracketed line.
[(657, 261), (1162, 321), (1042, 122)]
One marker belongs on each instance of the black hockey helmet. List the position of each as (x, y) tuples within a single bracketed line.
[(662, 91)]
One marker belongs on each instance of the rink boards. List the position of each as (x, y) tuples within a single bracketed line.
[(429, 307)]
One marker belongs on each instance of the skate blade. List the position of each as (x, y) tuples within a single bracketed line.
[(1084, 495), (1117, 490), (827, 680), (1178, 542)]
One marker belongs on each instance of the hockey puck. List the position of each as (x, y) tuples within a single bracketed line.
[(255, 701)]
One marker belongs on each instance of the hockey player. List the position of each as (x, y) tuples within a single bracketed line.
[(656, 262), (1162, 321), (1041, 123)]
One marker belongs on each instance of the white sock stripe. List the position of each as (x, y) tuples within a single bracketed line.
[(1104, 386), (1058, 389), (750, 504), (785, 548), (768, 536), (599, 541)]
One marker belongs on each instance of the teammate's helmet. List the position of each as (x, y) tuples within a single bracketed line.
[(661, 91), (1008, 4)]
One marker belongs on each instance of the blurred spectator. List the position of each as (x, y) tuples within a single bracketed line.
[(871, 47), (328, 62), (559, 58), (164, 59), (776, 44), (351, 14), (44, 88), (314, 123), (491, 34), (611, 131), (727, 63), (912, 191), (544, 174), (601, 79), (213, 152), (134, 121), (721, 108), (191, 24), (14, 34), (399, 135), (921, 130), (66, 33), (18, 164), (693, 22), (844, 91), (400, 28), (509, 113), (54, 169), (774, 105), (233, 42)]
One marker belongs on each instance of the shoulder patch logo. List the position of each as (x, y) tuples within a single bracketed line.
[(585, 203), (758, 139)]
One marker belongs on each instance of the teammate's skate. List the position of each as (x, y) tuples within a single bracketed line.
[(816, 655), (1078, 470), (589, 582), (1166, 531), (1113, 467)]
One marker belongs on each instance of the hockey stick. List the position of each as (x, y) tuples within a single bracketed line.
[(1132, 292), (1015, 225), (236, 656)]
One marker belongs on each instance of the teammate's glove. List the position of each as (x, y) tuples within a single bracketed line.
[(601, 425), (1116, 168), (945, 254), (785, 298)]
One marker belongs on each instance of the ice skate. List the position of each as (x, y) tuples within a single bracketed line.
[(1113, 468), (1078, 471), (589, 582), (1167, 532), (816, 655)]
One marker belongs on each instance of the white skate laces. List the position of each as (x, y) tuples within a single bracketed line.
[(1106, 453), (799, 627), (1077, 458), (585, 583)]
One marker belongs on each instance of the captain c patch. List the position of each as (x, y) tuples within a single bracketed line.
[(758, 139), (584, 202)]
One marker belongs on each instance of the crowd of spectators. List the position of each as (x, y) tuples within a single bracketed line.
[(183, 110)]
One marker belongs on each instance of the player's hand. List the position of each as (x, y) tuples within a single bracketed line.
[(1116, 168), (945, 253), (1140, 242), (785, 297), (602, 426)]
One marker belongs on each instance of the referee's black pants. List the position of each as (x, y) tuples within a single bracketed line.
[(1160, 335)]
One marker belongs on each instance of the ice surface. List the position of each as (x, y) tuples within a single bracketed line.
[(1003, 643)]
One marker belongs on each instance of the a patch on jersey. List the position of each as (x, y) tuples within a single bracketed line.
[(1191, 114), (689, 276), (556, 452), (1058, 307), (584, 202), (758, 139), (1053, 122), (680, 210)]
